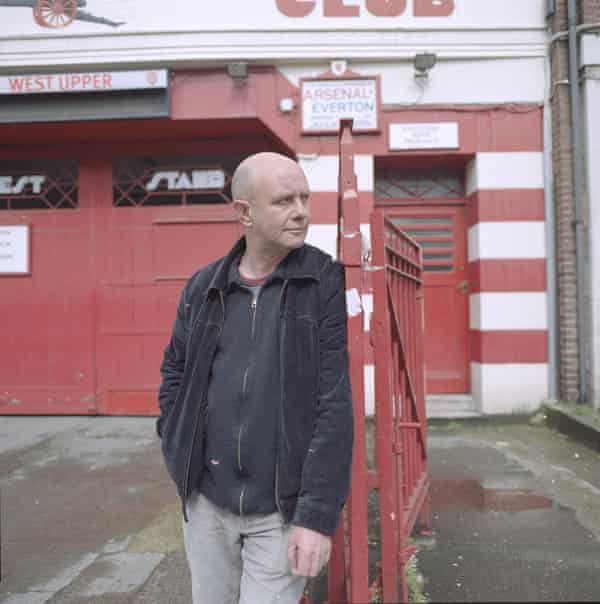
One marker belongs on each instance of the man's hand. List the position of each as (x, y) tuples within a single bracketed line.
[(308, 551)]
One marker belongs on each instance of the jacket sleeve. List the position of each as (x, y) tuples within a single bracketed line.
[(172, 365), (326, 470)]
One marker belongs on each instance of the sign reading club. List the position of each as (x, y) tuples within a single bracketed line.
[(377, 8)]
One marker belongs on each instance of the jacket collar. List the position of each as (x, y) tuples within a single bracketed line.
[(295, 265)]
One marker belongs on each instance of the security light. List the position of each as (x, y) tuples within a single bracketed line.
[(238, 72), (424, 62)]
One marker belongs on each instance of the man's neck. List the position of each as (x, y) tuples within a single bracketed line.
[(257, 263)]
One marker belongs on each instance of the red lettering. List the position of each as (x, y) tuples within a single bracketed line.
[(107, 80), (75, 81), (386, 8), (16, 84), (434, 8), (337, 8), (296, 8), (86, 80), (97, 81)]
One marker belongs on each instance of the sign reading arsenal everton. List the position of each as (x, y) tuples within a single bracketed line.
[(325, 102)]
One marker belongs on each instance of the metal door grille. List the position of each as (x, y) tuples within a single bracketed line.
[(169, 181), (38, 185), (419, 183)]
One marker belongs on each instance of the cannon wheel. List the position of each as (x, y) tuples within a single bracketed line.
[(55, 13)]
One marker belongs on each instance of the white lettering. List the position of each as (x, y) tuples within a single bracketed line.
[(179, 180), (20, 182), (158, 177), (5, 185), (183, 182)]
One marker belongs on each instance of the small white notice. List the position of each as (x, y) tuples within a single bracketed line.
[(14, 250), (353, 303), (440, 135)]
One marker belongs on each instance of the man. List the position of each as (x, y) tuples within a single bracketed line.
[(255, 403)]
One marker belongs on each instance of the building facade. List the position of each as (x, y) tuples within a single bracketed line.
[(121, 125)]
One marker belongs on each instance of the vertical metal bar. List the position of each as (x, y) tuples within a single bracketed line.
[(380, 324), (350, 254)]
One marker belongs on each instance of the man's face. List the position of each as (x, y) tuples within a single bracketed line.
[(281, 207)]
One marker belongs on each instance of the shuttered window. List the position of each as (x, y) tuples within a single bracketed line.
[(435, 234)]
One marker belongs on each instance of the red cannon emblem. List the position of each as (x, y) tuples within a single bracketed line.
[(54, 13), (58, 13)]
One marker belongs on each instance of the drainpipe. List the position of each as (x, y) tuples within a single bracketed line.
[(578, 186), (550, 246)]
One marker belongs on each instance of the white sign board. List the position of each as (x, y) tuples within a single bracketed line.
[(441, 135), (325, 102), (14, 250), (94, 81)]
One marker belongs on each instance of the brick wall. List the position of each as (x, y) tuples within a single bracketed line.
[(564, 201), (589, 11), (568, 287)]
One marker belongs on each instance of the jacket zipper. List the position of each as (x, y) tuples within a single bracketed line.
[(195, 433), (253, 306), (279, 408)]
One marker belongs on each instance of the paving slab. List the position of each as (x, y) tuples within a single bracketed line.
[(90, 516)]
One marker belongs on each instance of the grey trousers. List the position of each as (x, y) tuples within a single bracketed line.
[(238, 558)]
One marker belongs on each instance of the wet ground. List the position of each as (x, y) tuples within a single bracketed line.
[(516, 513), (89, 515)]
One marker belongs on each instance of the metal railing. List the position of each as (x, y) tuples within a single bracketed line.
[(400, 423), (400, 473)]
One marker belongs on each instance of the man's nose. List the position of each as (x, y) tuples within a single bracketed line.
[(300, 207)]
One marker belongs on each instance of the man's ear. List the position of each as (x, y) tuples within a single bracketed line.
[(243, 211)]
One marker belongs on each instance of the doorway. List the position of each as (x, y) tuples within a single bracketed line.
[(428, 204)]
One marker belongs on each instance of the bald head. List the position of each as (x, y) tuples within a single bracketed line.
[(247, 175)]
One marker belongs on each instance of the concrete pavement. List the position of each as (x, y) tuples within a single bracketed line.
[(90, 515)]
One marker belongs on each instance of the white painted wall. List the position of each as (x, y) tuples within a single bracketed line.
[(452, 80), (507, 240), (263, 15), (322, 172), (505, 170), (491, 311), (509, 388), (151, 32)]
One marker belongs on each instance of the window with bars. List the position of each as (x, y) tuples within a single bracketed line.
[(173, 181), (39, 185), (435, 234), (419, 183)]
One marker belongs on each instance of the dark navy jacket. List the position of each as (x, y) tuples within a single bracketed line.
[(243, 401), (315, 423)]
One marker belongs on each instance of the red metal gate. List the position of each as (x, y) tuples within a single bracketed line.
[(400, 470)]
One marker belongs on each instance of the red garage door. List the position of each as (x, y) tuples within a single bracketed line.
[(158, 219), (46, 330), (110, 245)]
